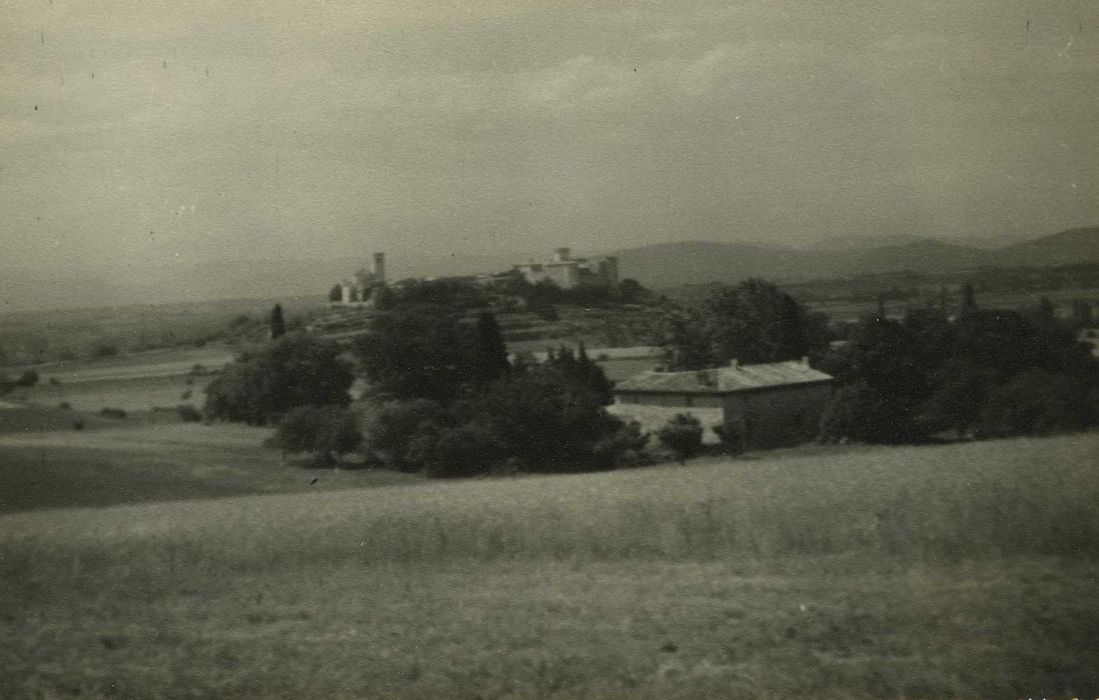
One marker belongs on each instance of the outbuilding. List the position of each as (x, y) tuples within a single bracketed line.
[(765, 405)]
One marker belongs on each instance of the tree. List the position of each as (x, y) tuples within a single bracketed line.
[(326, 431), (861, 412), (593, 377), (392, 431), (336, 293), (1036, 402), (278, 324), (683, 335), (682, 434), (544, 418), (295, 370), (468, 449), (886, 382), (415, 353), (754, 322), (490, 354)]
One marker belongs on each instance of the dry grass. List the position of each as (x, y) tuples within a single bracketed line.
[(140, 458), (966, 570)]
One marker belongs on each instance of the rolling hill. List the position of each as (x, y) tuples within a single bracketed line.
[(687, 262)]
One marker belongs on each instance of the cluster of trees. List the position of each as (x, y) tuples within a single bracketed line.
[(753, 322), (987, 373), (444, 399), (266, 382), (449, 403), (542, 296)]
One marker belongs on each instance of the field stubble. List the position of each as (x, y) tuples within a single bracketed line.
[(902, 572)]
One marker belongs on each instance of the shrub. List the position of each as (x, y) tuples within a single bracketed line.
[(467, 450), (188, 413), (392, 431), (78, 425), (112, 413), (326, 431), (625, 447), (1037, 403), (732, 442), (64, 405), (682, 435), (27, 379)]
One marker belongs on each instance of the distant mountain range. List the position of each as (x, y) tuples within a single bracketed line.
[(663, 265), (673, 264)]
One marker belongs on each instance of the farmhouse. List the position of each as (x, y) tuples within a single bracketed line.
[(764, 405)]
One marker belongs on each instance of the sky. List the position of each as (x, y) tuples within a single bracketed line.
[(137, 135)]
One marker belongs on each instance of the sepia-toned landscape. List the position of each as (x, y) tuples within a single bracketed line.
[(549, 350)]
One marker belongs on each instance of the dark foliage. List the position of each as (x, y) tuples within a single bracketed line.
[(336, 293), (277, 323), (581, 369), (392, 431), (326, 431), (1038, 402), (188, 413), (468, 449), (862, 412), (540, 419), (417, 353), (27, 379), (754, 322), (682, 434), (295, 370), (453, 294), (545, 419), (112, 413), (903, 382), (489, 355)]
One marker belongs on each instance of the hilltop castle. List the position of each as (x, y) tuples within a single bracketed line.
[(568, 272)]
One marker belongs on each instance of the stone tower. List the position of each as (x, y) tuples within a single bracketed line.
[(379, 267)]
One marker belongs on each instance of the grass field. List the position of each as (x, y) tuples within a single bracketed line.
[(141, 459), (958, 571)]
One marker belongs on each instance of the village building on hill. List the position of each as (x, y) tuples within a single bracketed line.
[(568, 272), (363, 288), (765, 405)]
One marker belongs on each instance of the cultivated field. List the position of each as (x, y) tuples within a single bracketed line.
[(958, 571)]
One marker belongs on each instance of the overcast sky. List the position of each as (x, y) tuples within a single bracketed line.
[(139, 130)]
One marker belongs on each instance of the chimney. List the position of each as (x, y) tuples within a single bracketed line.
[(734, 363), (804, 360), (379, 267)]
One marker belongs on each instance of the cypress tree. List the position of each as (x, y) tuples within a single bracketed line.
[(490, 354), (278, 324)]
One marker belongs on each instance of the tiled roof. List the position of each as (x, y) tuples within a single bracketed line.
[(723, 380)]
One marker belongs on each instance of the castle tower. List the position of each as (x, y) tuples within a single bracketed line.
[(379, 267)]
